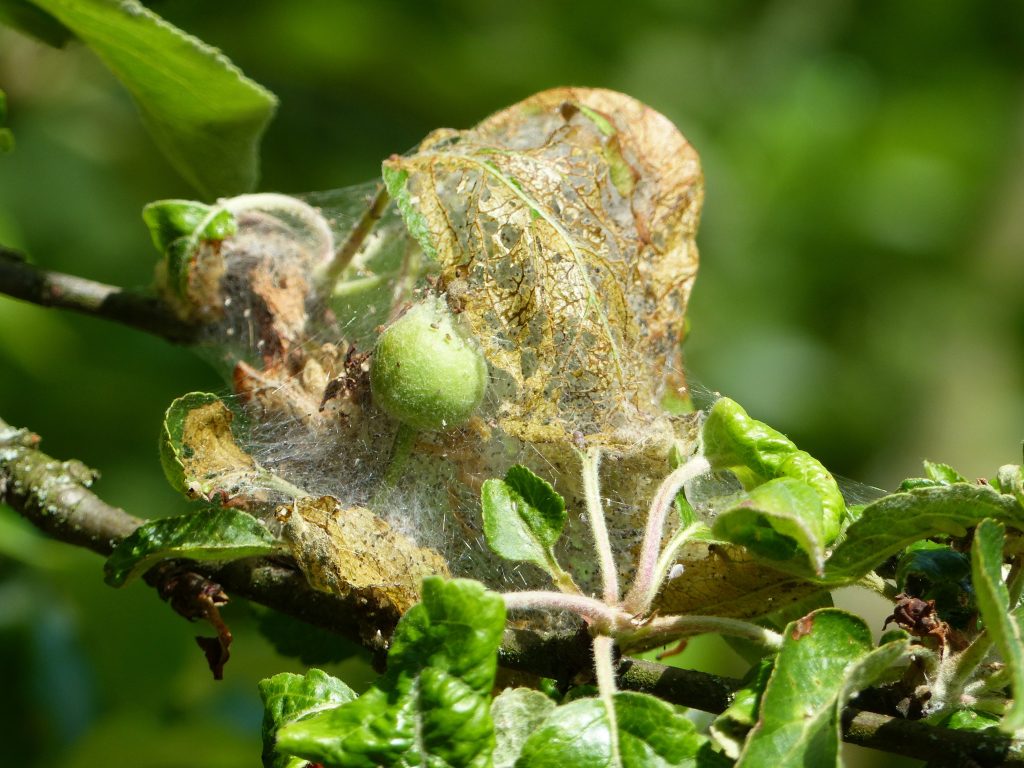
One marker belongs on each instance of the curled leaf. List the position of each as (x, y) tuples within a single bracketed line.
[(756, 453), (201, 458)]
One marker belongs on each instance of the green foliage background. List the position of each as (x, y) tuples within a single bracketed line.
[(862, 249)]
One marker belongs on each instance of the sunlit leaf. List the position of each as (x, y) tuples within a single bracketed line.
[(517, 713), (826, 657), (730, 728), (432, 706), (778, 520), (214, 534), (651, 734), (202, 112), (289, 697), (756, 453), (523, 518), (566, 224), (898, 520), (1002, 626)]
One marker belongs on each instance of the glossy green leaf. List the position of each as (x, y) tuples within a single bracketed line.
[(202, 112), (517, 713), (1002, 626), (969, 720), (942, 473), (893, 522), (177, 227), (778, 520), (756, 453), (826, 657), (212, 534), (523, 518), (730, 728), (289, 697), (432, 707), (651, 734)]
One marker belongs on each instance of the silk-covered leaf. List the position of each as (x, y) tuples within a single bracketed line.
[(432, 706), (523, 519), (781, 519), (565, 224), (826, 657), (202, 459), (288, 697), (894, 522), (651, 734), (1002, 625), (723, 579), (756, 453), (517, 713), (350, 550), (212, 534), (202, 112)]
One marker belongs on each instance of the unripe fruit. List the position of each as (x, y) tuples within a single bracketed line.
[(425, 371)]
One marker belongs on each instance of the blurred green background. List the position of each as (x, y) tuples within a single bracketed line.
[(862, 260)]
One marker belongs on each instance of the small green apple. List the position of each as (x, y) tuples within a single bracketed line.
[(426, 371)]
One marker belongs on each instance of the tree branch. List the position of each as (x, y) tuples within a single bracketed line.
[(136, 309), (54, 496)]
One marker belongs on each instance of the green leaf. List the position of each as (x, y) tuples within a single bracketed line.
[(895, 521), (171, 221), (523, 519), (969, 720), (517, 713), (756, 453), (1010, 480), (1002, 626), (212, 534), (937, 572), (289, 697), (202, 112), (942, 473), (432, 707), (730, 728), (6, 137), (826, 657), (651, 734), (779, 520)]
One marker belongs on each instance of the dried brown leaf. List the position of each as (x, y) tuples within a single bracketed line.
[(566, 225), (346, 550)]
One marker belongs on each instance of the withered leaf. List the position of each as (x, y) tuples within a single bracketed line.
[(342, 550), (725, 580), (567, 223), (202, 459)]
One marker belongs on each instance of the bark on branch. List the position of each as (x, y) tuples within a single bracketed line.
[(55, 497), (135, 309)]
